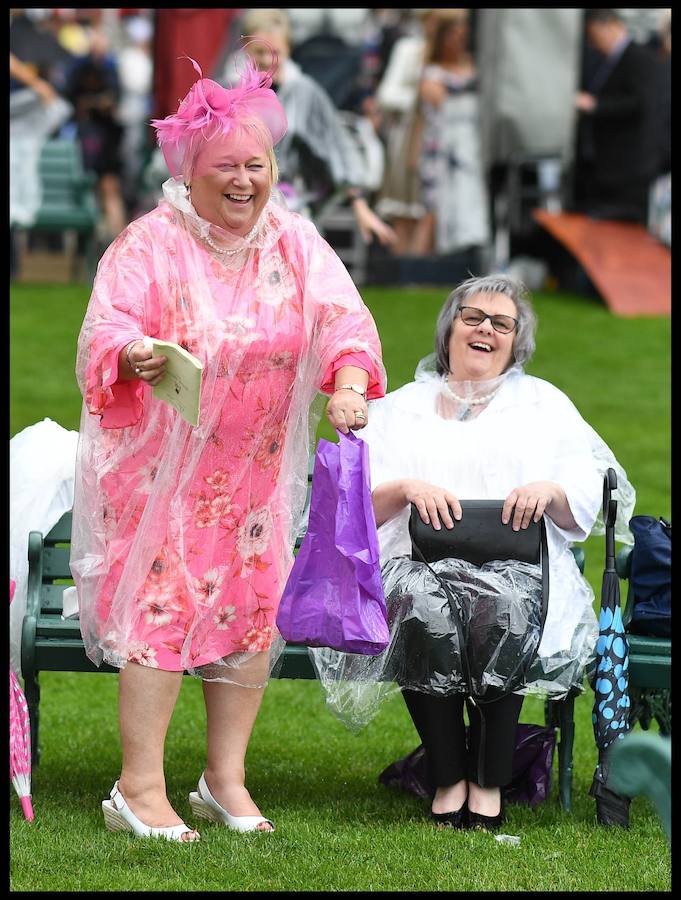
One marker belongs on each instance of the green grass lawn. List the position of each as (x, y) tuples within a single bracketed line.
[(337, 828)]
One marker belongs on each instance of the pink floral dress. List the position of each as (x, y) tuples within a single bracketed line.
[(182, 536)]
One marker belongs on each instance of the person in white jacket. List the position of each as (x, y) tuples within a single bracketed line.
[(317, 155)]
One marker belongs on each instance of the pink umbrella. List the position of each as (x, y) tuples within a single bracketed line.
[(19, 739)]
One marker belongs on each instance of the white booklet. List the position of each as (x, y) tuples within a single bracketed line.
[(181, 386)]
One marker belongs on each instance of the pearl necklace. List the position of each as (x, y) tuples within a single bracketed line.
[(225, 251), (475, 402)]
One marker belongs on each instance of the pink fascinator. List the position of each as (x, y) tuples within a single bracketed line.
[(210, 109)]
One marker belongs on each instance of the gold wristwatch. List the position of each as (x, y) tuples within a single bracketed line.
[(357, 388)]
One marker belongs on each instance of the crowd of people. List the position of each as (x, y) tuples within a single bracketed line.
[(108, 86), (360, 85)]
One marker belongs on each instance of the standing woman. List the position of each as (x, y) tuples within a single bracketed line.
[(397, 98), (182, 536), (453, 188)]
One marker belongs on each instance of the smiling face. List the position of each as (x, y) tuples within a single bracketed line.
[(232, 181), (478, 352)]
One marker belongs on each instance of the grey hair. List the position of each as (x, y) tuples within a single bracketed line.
[(523, 341)]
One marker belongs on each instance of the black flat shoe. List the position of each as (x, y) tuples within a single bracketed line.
[(478, 822), (458, 819)]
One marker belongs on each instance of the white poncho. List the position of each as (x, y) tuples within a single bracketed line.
[(529, 431)]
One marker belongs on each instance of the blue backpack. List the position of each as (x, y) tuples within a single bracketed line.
[(651, 576)]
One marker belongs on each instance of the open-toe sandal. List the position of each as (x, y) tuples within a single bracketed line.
[(119, 817), (205, 806)]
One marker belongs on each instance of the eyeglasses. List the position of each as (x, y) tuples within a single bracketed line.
[(471, 315)]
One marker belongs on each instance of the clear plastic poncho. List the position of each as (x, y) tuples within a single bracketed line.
[(182, 537), (479, 440)]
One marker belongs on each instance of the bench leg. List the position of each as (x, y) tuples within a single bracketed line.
[(32, 693), (561, 714), (566, 723)]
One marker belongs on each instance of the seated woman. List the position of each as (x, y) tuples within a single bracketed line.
[(473, 425)]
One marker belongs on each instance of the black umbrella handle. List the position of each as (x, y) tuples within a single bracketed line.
[(609, 516)]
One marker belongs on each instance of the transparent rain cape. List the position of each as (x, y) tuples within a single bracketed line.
[(527, 431), (182, 537)]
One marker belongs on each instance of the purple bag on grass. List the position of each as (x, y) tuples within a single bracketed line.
[(334, 594), (532, 768)]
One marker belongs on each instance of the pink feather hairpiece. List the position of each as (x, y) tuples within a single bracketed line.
[(208, 108)]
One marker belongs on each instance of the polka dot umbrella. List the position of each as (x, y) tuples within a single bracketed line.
[(610, 714), (19, 739)]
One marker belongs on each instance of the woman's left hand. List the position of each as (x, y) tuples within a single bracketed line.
[(529, 502), (347, 410)]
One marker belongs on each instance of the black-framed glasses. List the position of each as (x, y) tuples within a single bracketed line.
[(471, 315)]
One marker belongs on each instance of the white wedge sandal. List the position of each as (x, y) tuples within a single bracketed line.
[(119, 817), (205, 806)]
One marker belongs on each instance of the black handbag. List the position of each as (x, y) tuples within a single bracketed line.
[(478, 538)]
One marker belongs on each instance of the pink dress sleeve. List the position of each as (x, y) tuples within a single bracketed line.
[(361, 360), (123, 307)]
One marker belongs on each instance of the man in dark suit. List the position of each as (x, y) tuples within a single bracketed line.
[(616, 151)]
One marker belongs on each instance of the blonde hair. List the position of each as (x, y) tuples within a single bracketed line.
[(266, 20), (443, 19)]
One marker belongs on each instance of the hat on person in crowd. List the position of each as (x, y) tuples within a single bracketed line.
[(209, 109)]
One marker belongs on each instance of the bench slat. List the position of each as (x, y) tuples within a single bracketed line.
[(52, 598), (649, 646), (56, 562), (650, 671), (65, 655), (50, 626)]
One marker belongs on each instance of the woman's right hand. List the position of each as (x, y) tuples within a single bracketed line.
[(138, 361), (433, 503)]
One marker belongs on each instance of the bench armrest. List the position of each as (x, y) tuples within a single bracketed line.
[(35, 573)]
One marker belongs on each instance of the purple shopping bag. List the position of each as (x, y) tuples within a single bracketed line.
[(334, 594)]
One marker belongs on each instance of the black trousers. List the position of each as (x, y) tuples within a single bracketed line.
[(487, 758)]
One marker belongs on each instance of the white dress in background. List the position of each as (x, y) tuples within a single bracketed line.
[(452, 176)]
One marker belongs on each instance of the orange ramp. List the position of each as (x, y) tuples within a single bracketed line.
[(631, 269)]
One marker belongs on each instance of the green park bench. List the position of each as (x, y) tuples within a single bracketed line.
[(650, 664), (68, 201), (51, 643)]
